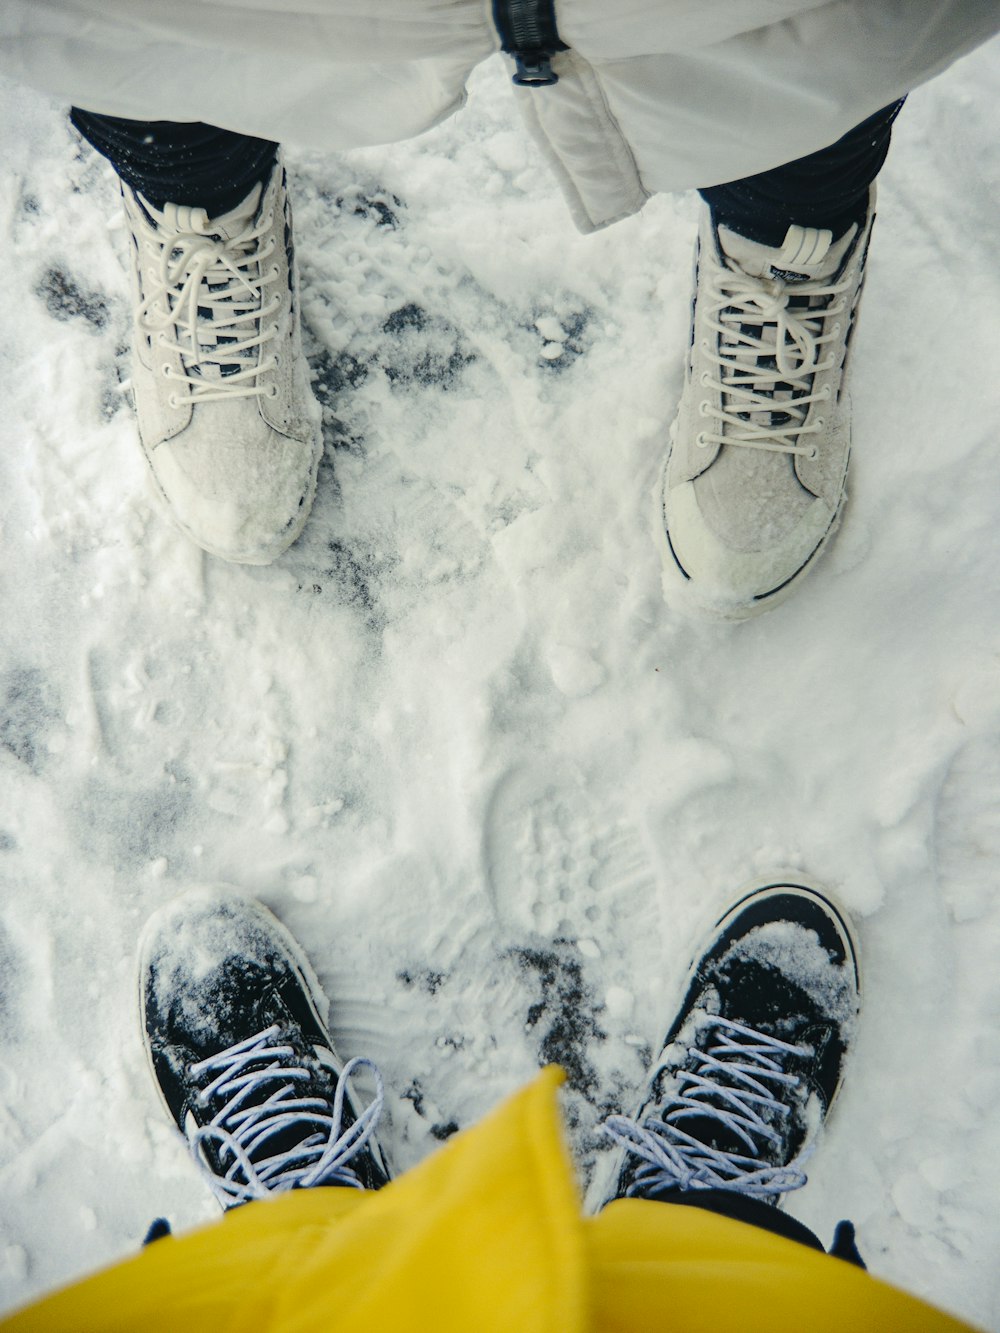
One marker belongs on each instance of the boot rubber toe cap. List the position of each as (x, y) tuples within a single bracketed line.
[(728, 582)]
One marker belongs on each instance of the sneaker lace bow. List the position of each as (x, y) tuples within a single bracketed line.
[(772, 337), (206, 302), (732, 1084), (276, 1138)]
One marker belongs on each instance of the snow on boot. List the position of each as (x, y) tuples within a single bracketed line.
[(227, 420), (235, 1031), (756, 474), (753, 1060)]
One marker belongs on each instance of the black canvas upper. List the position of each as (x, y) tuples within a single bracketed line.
[(218, 972), (780, 965)]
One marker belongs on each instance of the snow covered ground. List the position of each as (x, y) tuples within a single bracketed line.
[(455, 738)]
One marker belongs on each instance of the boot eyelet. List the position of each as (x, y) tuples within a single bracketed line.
[(273, 391), (704, 379), (172, 401), (820, 423), (704, 407), (813, 454), (165, 369), (700, 440)]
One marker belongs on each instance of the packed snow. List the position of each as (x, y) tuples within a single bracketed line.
[(455, 738)]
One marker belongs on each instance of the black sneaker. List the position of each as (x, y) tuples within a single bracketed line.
[(754, 1059), (234, 1029)]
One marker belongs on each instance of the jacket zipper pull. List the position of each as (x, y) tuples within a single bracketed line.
[(533, 69), (528, 34)]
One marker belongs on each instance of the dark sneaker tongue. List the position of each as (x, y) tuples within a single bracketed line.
[(713, 1134), (185, 218), (286, 1140)]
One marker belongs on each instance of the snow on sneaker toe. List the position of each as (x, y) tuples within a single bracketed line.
[(226, 417), (756, 474)]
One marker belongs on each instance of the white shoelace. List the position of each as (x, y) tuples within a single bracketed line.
[(216, 315), (798, 341), (728, 1086), (249, 1120)]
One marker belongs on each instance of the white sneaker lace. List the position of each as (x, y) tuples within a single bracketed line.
[(248, 1121), (206, 302), (729, 1086), (767, 374)]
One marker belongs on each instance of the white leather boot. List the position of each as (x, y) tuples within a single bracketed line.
[(227, 420), (755, 478)]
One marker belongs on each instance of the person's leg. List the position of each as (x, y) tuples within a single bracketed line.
[(198, 165), (750, 1066), (240, 1051), (754, 1213), (755, 479), (828, 189), (227, 421)]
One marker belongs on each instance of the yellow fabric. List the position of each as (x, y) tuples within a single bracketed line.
[(484, 1237), (714, 1274), (488, 1224)]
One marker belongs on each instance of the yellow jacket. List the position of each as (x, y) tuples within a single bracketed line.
[(484, 1237)]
